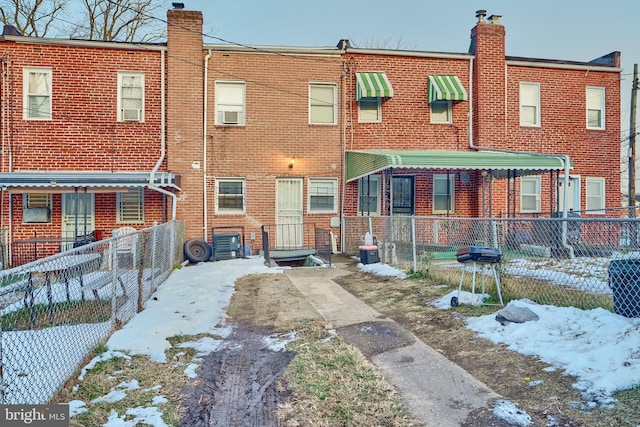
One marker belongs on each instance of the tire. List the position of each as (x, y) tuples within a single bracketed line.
[(454, 301), (196, 250)]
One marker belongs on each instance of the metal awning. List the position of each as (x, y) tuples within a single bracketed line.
[(446, 88), (373, 85), (363, 163), (61, 181)]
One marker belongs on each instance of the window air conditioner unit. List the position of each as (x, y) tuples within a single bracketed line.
[(36, 215), (131, 114), (230, 117)]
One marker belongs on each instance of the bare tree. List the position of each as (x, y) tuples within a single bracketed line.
[(122, 20), (31, 17), (393, 43)]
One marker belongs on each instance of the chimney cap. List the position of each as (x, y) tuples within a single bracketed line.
[(495, 19), (480, 14), (178, 5)]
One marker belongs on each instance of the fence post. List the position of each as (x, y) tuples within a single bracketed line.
[(413, 242), (154, 237), (113, 249)]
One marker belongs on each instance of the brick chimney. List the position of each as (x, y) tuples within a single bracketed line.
[(185, 81), (489, 98)]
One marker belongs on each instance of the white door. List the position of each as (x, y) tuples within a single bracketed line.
[(289, 230), (78, 215), (573, 193)]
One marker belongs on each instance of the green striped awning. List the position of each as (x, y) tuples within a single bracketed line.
[(363, 163), (373, 85), (446, 88)]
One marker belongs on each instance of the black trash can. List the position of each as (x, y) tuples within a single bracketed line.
[(624, 279)]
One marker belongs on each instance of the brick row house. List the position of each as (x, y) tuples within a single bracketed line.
[(229, 135)]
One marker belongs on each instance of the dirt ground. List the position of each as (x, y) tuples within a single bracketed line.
[(240, 385)]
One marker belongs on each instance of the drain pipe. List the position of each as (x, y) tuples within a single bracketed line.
[(204, 147), (562, 157), (152, 185)]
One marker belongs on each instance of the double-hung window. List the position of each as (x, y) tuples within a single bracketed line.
[(230, 99), (530, 194), (36, 208), (369, 195), (443, 193), (595, 195), (130, 97), (529, 104), (369, 110), (323, 195), (440, 111), (323, 103), (130, 206), (230, 196), (595, 108), (37, 93)]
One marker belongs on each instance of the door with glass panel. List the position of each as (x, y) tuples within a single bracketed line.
[(78, 216)]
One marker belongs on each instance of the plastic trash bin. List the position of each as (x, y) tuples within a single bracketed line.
[(624, 279)]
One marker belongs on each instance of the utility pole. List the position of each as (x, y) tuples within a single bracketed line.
[(632, 145)]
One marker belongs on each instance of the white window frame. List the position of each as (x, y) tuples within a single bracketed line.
[(372, 114), (230, 103), (452, 186), (442, 113), (45, 92), (38, 200), (536, 195), (322, 187), (130, 206), (219, 196), (529, 99), (595, 204), (130, 108), (595, 101), (374, 180), (318, 102)]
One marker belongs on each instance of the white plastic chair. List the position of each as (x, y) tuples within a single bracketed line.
[(127, 242)]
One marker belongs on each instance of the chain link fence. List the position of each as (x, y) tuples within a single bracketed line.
[(586, 263), (56, 310)]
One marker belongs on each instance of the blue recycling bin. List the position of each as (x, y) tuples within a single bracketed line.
[(624, 280)]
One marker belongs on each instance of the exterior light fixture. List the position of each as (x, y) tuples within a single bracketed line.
[(291, 162)]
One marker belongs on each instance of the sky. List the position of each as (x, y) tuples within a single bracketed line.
[(598, 347), (578, 30)]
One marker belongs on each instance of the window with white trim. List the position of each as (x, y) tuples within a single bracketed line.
[(37, 93), (530, 194), (595, 201), (595, 108), (369, 110), (323, 195), (369, 195), (323, 103), (529, 104), (130, 97), (440, 111), (130, 206), (230, 100), (230, 196), (443, 193), (36, 207)]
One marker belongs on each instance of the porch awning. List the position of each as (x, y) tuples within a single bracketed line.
[(61, 181), (446, 88), (363, 163), (373, 85)]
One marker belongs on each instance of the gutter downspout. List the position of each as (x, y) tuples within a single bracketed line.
[(163, 141), (563, 157), (205, 211)]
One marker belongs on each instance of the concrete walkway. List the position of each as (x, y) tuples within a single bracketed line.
[(433, 388)]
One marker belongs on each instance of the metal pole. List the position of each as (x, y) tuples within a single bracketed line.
[(632, 156)]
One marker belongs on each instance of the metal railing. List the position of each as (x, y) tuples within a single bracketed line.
[(291, 238), (55, 310), (579, 262)]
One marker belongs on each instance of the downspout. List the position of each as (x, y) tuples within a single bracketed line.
[(563, 157), (205, 212), (163, 142)]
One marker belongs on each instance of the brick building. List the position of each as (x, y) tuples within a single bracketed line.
[(480, 133), (82, 137)]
